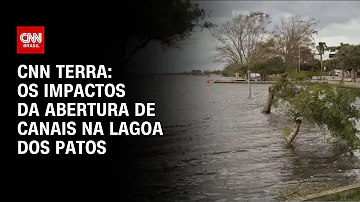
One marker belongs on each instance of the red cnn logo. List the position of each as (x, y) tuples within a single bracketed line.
[(30, 40)]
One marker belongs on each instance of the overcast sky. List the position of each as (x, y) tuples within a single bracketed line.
[(339, 22)]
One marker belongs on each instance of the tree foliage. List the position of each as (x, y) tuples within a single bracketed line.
[(321, 48), (347, 58), (312, 65), (329, 107), (233, 68), (307, 55), (349, 55), (302, 76), (168, 22), (274, 65), (332, 64)]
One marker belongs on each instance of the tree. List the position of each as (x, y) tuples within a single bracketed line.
[(330, 108), (231, 69), (274, 65), (321, 49), (274, 89), (335, 48), (331, 64), (307, 55), (313, 65), (240, 38), (168, 22), (347, 58), (217, 72), (281, 87), (196, 72), (290, 34), (207, 72)]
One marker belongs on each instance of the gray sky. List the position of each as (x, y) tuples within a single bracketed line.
[(339, 22)]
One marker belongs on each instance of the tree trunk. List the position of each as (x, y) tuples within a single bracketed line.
[(353, 75), (269, 100), (295, 131), (321, 67)]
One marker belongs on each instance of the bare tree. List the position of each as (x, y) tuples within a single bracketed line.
[(290, 35), (240, 38)]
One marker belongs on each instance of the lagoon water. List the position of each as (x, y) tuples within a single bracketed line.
[(218, 146)]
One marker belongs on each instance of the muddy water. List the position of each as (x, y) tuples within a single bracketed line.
[(219, 147)]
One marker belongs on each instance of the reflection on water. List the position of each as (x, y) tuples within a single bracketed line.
[(218, 146)]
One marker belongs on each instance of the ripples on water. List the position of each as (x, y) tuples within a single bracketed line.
[(218, 146)]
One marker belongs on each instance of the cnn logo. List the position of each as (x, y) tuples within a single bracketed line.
[(30, 40), (27, 37)]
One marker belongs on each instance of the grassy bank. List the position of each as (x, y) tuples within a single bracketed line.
[(321, 191), (305, 188), (351, 197)]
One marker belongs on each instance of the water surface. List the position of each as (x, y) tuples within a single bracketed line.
[(218, 146)]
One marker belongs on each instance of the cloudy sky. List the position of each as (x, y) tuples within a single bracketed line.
[(339, 22)]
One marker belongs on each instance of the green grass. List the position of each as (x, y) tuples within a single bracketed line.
[(352, 197)]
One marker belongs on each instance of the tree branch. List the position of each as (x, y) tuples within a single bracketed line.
[(126, 61)]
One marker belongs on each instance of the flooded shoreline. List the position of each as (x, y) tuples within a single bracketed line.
[(218, 146)]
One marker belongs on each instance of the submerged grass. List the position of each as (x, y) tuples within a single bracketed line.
[(304, 189), (351, 197)]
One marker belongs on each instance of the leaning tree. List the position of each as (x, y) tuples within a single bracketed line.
[(329, 107), (287, 39), (275, 89)]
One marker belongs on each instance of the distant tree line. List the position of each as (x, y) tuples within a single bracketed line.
[(202, 73), (247, 43), (347, 58)]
